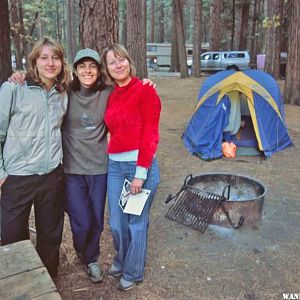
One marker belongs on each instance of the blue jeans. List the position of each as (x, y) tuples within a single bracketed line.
[(85, 205), (130, 232)]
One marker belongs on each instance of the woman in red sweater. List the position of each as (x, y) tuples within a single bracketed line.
[(132, 117)]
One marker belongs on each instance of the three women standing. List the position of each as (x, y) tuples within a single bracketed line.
[(132, 117)]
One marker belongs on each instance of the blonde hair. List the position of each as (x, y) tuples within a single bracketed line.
[(120, 51), (64, 77)]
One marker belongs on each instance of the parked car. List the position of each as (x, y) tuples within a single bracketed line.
[(220, 60)]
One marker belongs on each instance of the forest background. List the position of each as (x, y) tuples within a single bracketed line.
[(256, 263), (267, 27)]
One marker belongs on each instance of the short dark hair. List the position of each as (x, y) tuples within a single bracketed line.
[(99, 84)]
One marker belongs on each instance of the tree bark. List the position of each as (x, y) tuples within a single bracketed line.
[(136, 35), (180, 39), (292, 79), (197, 38), (58, 29), (216, 9), (273, 25), (16, 32), (161, 23), (233, 26), (41, 29), (254, 33), (5, 54), (24, 38), (71, 30), (152, 22), (237, 24), (174, 47), (123, 21), (98, 23), (244, 25)]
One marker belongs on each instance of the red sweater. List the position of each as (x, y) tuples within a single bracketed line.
[(132, 117)]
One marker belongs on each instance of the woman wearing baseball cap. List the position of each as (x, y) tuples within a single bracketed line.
[(85, 158)]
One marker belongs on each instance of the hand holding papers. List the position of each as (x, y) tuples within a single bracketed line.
[(132, 204)]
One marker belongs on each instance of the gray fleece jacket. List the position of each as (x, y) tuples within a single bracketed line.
[(30, 129)]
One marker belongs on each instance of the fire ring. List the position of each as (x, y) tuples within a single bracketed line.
[(218, 198)]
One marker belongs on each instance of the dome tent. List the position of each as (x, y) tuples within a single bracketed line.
[(203, 135)]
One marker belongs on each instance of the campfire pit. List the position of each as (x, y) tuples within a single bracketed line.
[(217, 198)]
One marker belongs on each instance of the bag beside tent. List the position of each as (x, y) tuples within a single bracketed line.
[(204, 133)]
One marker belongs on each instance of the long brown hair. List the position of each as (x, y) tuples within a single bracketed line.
[(64, 77), (118, 50)]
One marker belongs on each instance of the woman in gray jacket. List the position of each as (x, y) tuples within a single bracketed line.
[(31, 152)]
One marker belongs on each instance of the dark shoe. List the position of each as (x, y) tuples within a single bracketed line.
[(112, 272), (125, 285), (94, 272)]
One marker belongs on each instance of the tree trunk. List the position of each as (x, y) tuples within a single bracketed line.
[(24, 37), (123, 22), (16, 33), (180, 39), (197, 38), (269, 11), (254, 33), (58, 29), (174, 47), (244, 25), (216, 9), (5, 54), (273, 25), (152, 22), (285, 26), (237, 24), (233, 26), (278, 36), (71, 30), (98, 23), (161, 23), (136, 35), (292, 79), (34, 24), (41, 28)]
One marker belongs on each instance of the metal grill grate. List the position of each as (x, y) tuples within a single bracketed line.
[(193, 207)]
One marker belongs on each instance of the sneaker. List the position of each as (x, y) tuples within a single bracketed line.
[(113, 272), (125, 285), (94, 272)]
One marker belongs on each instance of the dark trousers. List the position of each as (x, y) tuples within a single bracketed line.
[(46, 192), (85, 195)]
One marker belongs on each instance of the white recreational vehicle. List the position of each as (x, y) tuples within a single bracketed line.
[(159, 54)]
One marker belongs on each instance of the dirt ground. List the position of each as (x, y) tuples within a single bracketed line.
[(259, 262)]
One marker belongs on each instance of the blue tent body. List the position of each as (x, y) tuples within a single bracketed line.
[(203, 135)]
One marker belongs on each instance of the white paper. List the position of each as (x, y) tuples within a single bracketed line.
[(132, 204)]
